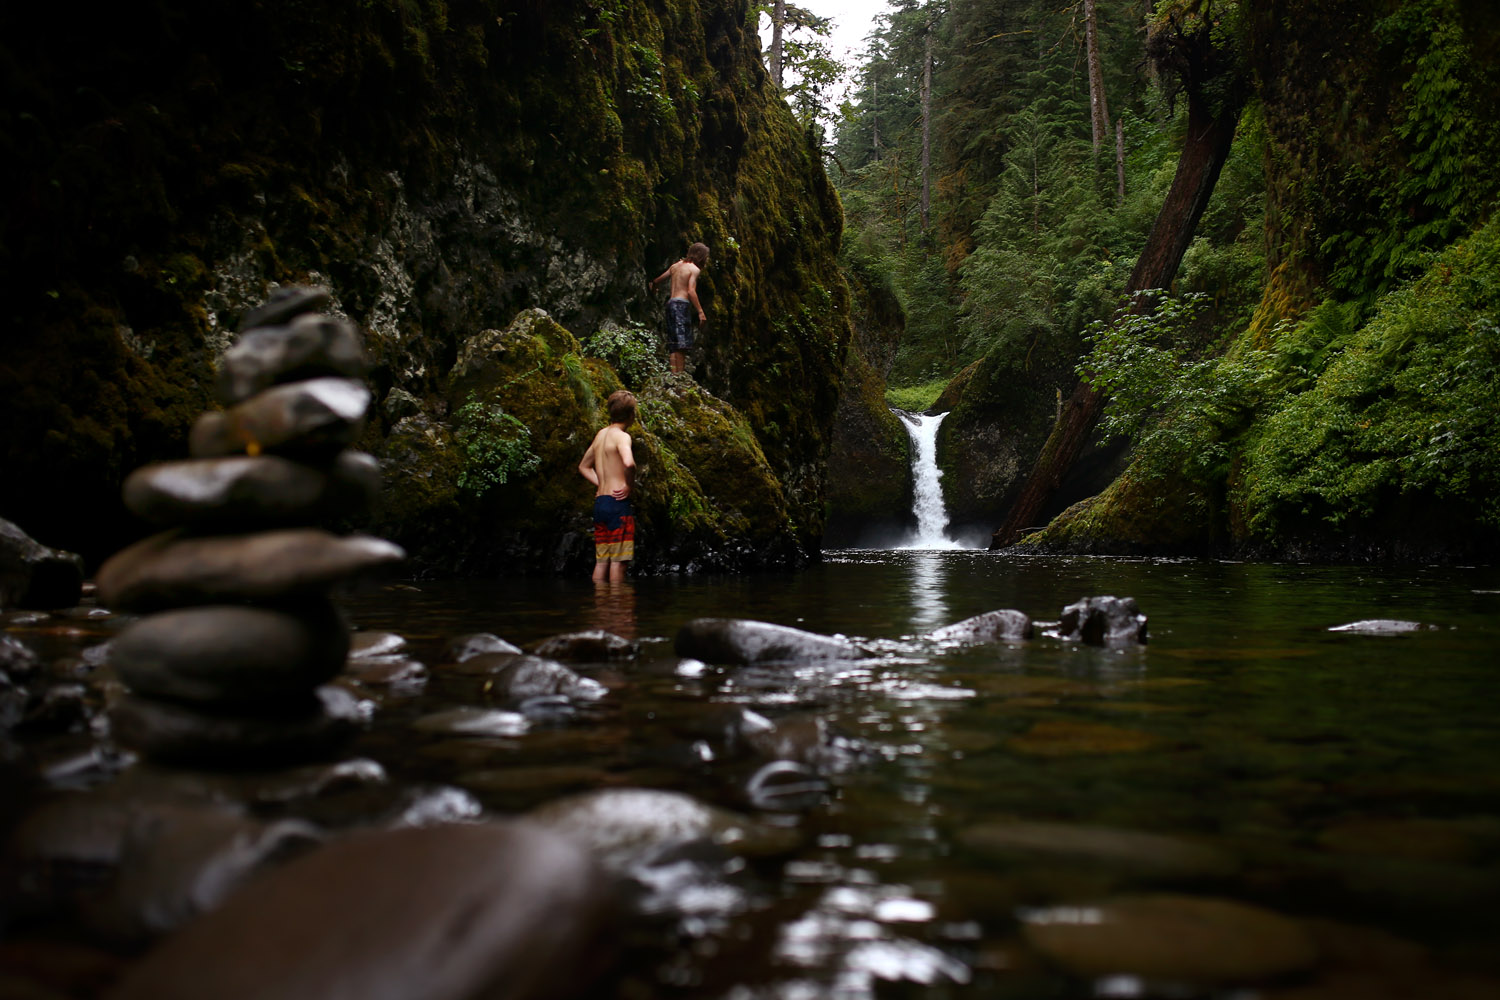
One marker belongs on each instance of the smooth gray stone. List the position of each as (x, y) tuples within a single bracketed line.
[(1103, 621), (1382, 626), (169, 733), (18, 660), (35, 576), (468, 721), (285, 303), (262, 491), (367, 645), (992, 626), (175, 570), (452, 912), (397, 672), (466, 647), (312, 418), (308, 347), (523, 677), (735, 640), (231, 655), (594, 645)]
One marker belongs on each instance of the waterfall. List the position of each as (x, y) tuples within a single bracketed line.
[(927, 501)]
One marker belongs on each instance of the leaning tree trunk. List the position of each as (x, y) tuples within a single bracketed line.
[(1209, 137)]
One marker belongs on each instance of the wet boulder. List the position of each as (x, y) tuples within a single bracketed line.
[(524, 677), (992, 626), (307, 347), (232, 654), (592, 646), (172, 569), (1103, 621), (243, 491), (286, 303), (373, 645), (740, 641), (308, 727), (466, 647), (1382, 626), (312, 419), (446, 913), (35, 576)]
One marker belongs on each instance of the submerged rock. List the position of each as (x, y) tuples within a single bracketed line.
[(1103, 621), (736, 640), (369, 645), (523, 677), (628, 827), (992, 626), (35, 576), (1132, 852), (261, 491), (1382, 626), (173, 570), (467, 721), (232, 654), (445, 913), (1171, 940), (594, 645)]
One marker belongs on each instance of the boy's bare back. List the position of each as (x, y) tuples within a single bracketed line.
[(684, 276), (608, 457)]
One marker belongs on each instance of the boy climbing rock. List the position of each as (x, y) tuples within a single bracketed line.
[(610, 466), (683, 303)]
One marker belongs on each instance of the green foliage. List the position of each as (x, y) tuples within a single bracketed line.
[(1182, 412), (632, 349), (496, 446), (1401, 407), (915, 398)]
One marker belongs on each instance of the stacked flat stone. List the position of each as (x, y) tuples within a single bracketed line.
[(240, 630)]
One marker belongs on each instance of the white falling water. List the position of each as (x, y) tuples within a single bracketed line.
[(927, 503)]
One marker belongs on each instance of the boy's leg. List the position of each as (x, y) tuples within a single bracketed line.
[(601, 570), (676, 359), (616, 572)]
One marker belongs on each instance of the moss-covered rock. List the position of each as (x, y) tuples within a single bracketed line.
[(441, 167)]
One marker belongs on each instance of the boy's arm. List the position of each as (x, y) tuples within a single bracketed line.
[(586, 467), (659, 279), (627, 460), (692, 295)]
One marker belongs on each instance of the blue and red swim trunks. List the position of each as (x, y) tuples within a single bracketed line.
[(614, 530)]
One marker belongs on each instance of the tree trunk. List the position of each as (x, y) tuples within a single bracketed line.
[(1206, 148), (875, 113), (926, 127), (778, 20), (1099, 110), (1120, 158)]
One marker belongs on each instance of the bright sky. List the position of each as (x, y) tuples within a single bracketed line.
[(852, 21)]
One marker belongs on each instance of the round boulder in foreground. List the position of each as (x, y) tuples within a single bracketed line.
[(443, 913)]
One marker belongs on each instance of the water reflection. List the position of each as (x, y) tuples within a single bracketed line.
[(614, 607), (929, 598)]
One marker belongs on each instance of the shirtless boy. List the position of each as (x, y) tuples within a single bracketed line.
[(610, 466), (682, 304)]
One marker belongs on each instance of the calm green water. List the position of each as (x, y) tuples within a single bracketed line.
[(1350, 782)]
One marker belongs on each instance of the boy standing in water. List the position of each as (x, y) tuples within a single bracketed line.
[(610, 466), (683, 303)]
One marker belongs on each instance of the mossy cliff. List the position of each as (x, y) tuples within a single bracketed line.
[(441, 167)]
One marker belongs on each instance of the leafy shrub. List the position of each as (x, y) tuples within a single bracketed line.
[(495, 445), (631, 349)]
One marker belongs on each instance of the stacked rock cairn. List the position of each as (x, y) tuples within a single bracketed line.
[(228, 666)]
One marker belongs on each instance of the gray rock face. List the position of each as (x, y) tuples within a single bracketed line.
[(34, 576), (232, 654), (174, 570), (308, 347), (241, 491), (992, 626), (735, 640), (1103, 621), (593, 645), (312, 418), (444, 913), (176, 734)]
